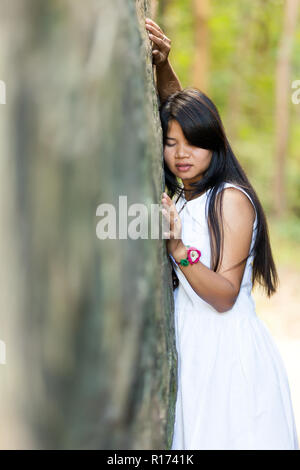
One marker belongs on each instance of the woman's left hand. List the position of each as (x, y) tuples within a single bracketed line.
[(173, 221)]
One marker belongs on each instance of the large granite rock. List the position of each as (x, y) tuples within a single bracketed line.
[(87, 323)]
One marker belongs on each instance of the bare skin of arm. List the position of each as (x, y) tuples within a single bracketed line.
[(220, 289), (167, 81)]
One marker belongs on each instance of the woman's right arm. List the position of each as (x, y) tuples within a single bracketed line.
[(167, 81)]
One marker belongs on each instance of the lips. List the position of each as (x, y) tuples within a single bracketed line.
[(183, 167)]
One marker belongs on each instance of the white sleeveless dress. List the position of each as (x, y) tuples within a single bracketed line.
[(233, 391)]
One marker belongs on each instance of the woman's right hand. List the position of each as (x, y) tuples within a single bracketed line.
[(161, 45)]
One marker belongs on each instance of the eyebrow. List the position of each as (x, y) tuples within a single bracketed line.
[(170, 138)]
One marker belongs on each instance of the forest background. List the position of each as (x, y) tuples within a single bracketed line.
[(245, 55)]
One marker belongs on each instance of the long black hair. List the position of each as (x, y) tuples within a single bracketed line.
[(202, 127)]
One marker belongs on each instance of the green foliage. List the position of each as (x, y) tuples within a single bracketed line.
[(285, 236)]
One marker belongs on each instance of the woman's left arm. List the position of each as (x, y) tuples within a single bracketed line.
[(220, 289)]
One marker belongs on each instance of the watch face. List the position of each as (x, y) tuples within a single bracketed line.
[(193, 255)]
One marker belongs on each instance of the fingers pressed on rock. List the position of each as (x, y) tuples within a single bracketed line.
[(155, 25), (156, 39), (151, 28)]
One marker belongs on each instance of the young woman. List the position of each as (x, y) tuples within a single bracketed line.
[(233, 391)]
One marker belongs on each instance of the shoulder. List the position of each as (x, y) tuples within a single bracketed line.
[(237, 206)]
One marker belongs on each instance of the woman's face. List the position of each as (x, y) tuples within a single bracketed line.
[(184, 160)]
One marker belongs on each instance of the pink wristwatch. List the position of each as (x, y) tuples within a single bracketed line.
[(193, 256)]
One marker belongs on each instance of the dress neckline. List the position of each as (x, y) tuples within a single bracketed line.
[(193, 200)]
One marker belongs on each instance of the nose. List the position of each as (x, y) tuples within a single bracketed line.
[(182, 152), (182, 155)]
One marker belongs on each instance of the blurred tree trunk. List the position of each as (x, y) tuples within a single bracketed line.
[(234, 109), (201, 10), (87, 323), (283, 99), (161, 13)]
